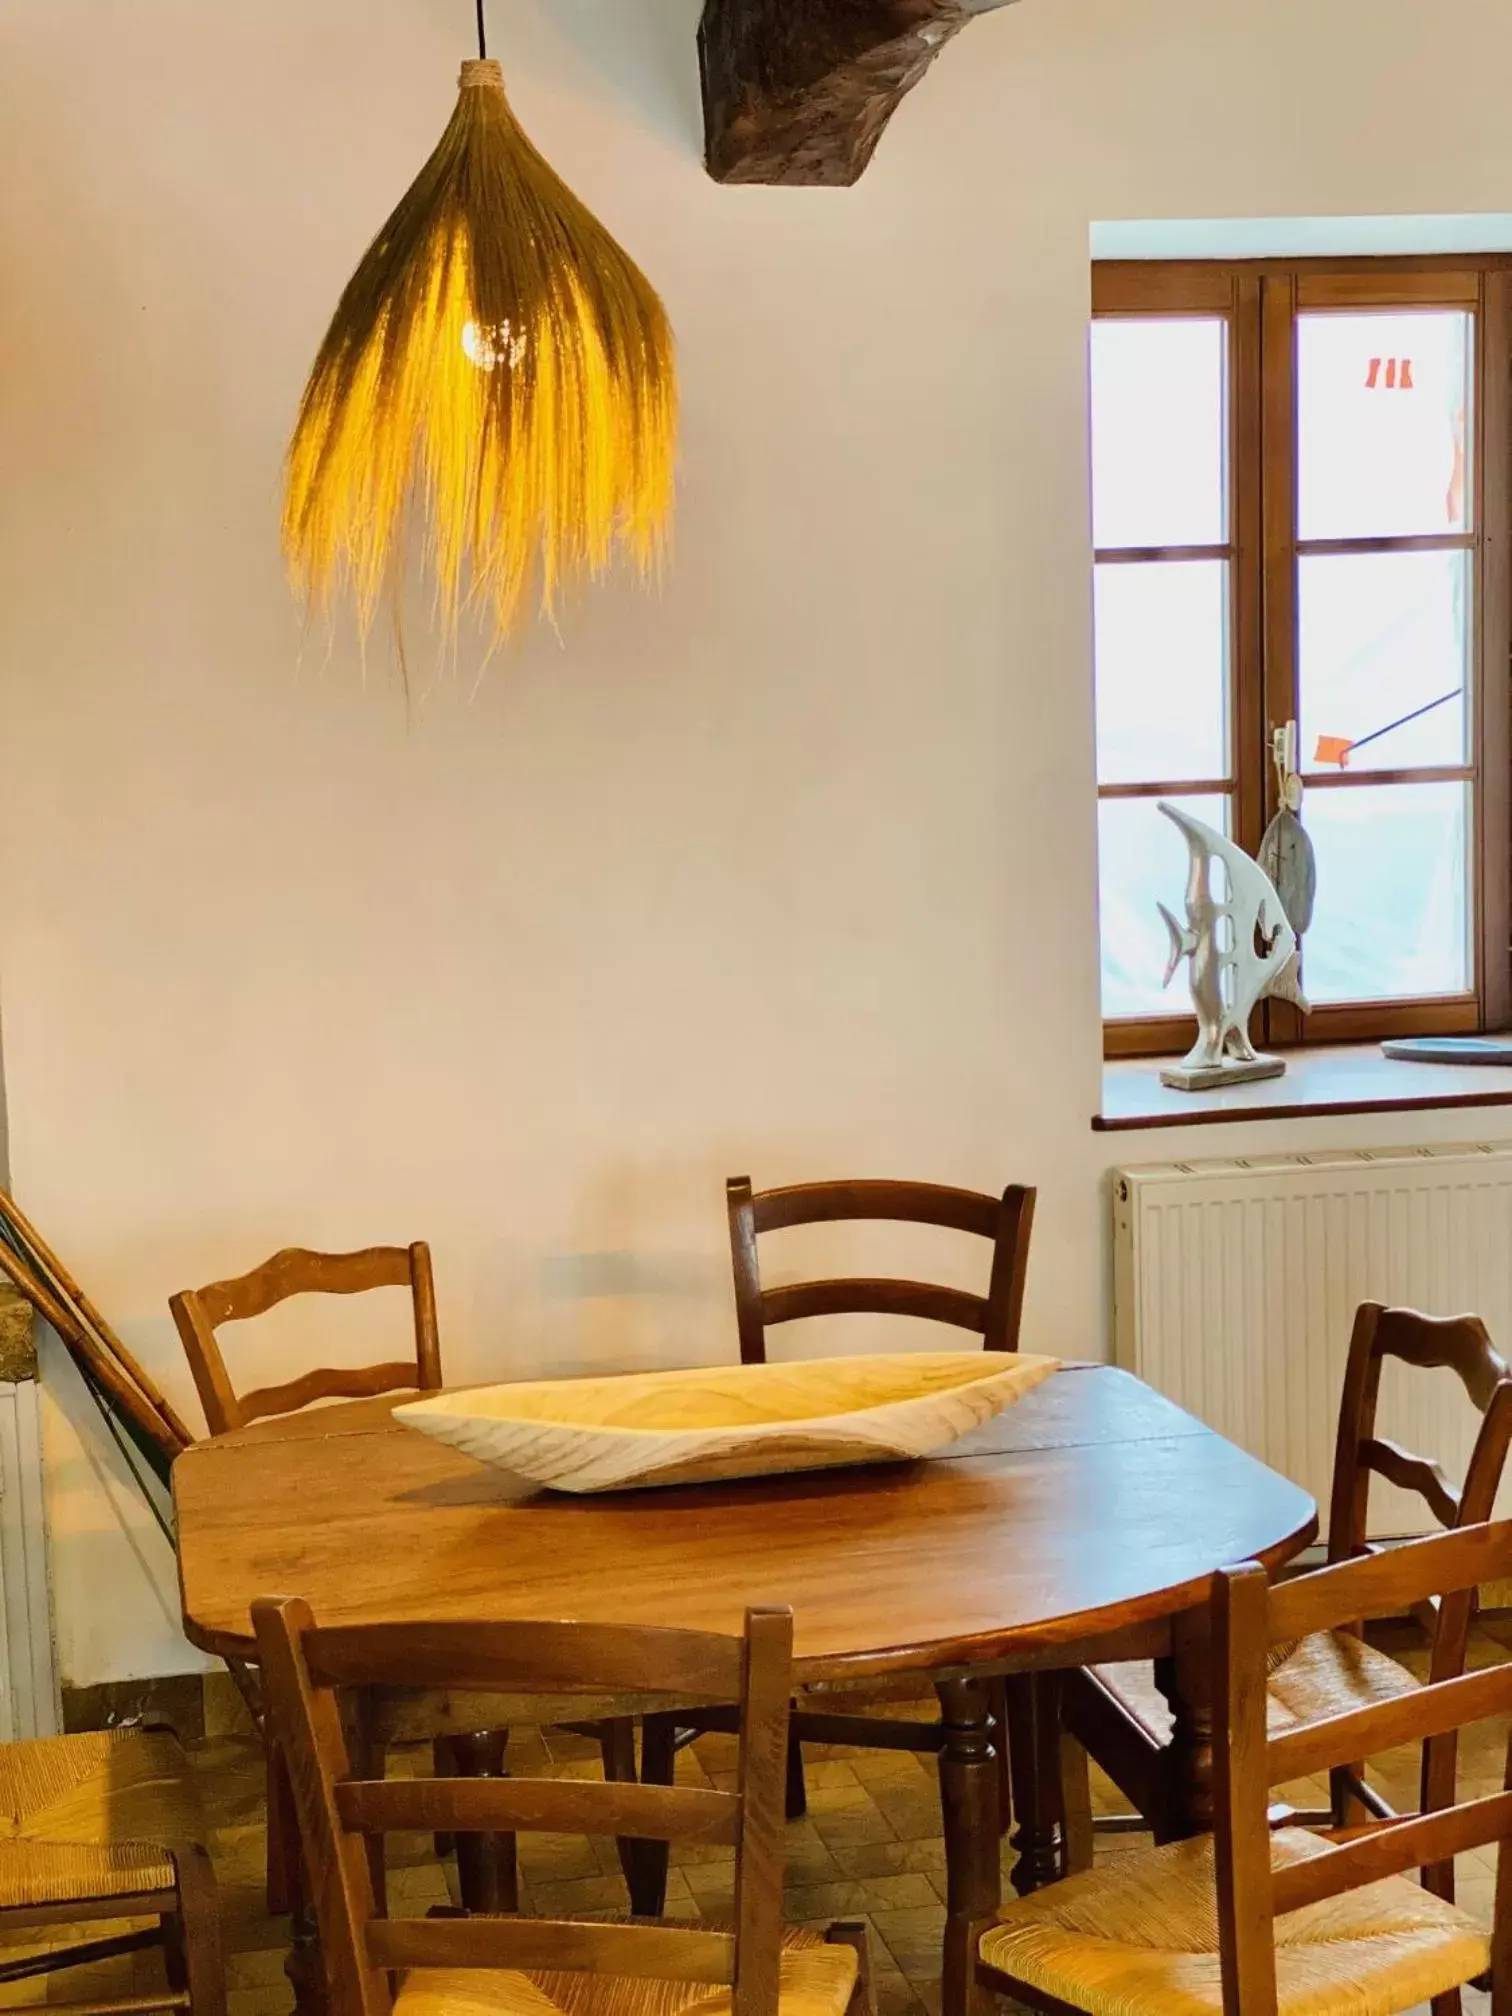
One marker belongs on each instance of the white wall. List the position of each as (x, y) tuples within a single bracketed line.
[(789, 869)]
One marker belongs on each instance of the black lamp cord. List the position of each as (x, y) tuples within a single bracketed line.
[(482, 35)]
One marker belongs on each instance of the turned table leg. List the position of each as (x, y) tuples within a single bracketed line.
[(969, 1799), (1184, 1680), (1033, 1740)]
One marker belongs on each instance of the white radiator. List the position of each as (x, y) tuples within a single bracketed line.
[(1236, 1283)]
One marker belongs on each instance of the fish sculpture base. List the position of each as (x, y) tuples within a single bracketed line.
[(1211, 1077)]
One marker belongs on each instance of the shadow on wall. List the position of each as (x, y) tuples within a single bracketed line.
[(115, 1583)]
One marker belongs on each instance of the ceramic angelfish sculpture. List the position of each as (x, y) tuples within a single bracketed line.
[(1237, 952)]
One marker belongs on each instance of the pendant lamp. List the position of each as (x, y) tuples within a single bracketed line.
[(497, 387)]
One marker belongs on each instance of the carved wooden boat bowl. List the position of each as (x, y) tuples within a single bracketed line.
[(656, 1428)]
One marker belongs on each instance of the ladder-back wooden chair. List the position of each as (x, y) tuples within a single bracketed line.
[(1119, 1712), (384, 1966), (200, 1312), (1006, 1222), (1251, 1921), (470, 1733), (102, 1828)]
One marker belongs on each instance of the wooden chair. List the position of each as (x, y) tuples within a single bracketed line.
[(1249, 1921), (470, 1735), (199, 1313), (451, 1963), (108, 1827), (1007, 1222), (1119, 1713)]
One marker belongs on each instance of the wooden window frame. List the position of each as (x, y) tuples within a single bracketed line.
[(1260, 300)]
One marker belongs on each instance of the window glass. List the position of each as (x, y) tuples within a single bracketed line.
[(1159, 426), (1383, 423), (1162, 671), (1392, 918), (1385, 658)]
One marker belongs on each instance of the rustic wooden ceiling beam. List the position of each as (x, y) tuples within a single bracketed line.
[(799, 92)]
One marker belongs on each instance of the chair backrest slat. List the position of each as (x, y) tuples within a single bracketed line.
[(339, 1815), (1249, 1618), (299, 1271), (1458, 1344), (544, 1658), (1007, 1221), (1392, 1850), (537, 1805), (362, 1382), (1385, 1584), (199, 1313), (554, 1945), (877, 1298), (1419, 1474), (1409, 1718), (903, 1203)]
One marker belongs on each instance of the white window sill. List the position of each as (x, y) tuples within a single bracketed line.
[(1353, 1078)]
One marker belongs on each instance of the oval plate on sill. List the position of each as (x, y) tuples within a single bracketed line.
[(1449, 1049)]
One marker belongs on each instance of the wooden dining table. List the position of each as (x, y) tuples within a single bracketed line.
[(1081, 1526)]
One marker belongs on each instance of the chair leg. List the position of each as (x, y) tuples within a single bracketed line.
[(443, 1765), (192, 1939), (369, 1755), (647, 1887), (797, 1790), (658, 1765), (1076, 1805), (1347, 1810), (853, 1934), (283, 1838), (487, 1875)]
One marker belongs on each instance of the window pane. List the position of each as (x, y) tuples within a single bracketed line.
[(1383, 422), (1159, 428), (1393, 914), (1143, 861), (1384, 635), (1162, 671)]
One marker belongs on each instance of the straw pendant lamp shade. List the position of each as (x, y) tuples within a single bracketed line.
[(497, 385)]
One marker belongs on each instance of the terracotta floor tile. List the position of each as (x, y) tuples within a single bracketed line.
[(913, 1939), (806, 1903)]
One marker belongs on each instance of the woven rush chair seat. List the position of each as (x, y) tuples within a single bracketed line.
[(815, 1978), (91, 1816), (1141, 1934), (1326, 1674)]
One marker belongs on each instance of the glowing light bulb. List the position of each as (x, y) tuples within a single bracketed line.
[(488, 345)]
